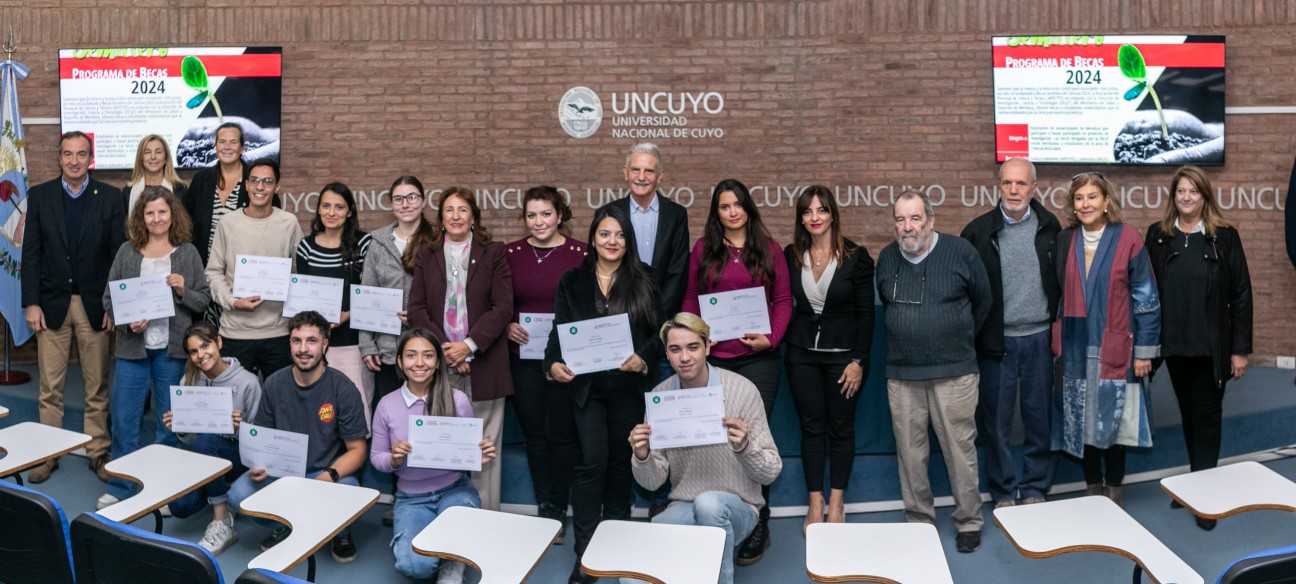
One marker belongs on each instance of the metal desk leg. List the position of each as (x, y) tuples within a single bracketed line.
[(310, 568), (1138, 574), (157, 521)]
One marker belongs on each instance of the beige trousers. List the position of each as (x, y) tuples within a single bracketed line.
[(53, 354), (948, 406)]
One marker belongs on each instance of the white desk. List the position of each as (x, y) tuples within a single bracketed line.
[(30, 443), (876, 552), (166, 474), (1091, 524), (504, 547), (3, 411), (656, 552), (1228, 490), (316, 511)]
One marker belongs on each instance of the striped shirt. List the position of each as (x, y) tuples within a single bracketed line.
[(314, 259)]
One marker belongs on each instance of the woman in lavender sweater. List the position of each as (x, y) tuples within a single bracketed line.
[(421, 493)]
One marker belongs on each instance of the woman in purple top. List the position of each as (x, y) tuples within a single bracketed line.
[(421, 493), (543, 407), (736, 252)]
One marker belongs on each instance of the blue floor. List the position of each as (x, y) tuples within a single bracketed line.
[(1259, 412)]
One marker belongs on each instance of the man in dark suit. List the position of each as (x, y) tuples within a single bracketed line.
[(74, 226)]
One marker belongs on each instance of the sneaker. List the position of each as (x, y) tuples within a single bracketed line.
[(1032, 500), (97, 465), (450, 573), (106, 500), (276, 536), (968, 541), (344, 550), (753, 548), (1206, 524), (218, 537), (165, 511), (1000, 504)]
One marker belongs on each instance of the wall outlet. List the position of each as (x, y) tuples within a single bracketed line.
[(1286, 362)]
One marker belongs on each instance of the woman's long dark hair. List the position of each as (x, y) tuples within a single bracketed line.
[(423, 235), (206, 333), (440, 396), (632, 290), (350, 229), (715, 254), (801, 238)]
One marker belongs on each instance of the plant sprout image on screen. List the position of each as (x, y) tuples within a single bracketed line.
[(195, 76)]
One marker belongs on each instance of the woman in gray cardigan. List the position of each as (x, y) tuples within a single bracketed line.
[(158, 231)]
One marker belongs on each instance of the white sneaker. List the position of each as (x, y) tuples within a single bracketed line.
[(450, 572), (165, 511), (105, 501), (218, 537)]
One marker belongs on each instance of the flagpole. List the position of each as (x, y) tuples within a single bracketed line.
[(8, 377)]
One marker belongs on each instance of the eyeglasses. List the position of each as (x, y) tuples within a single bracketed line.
[(922, 288), (1093, 172), (406, 200), (267, 181)]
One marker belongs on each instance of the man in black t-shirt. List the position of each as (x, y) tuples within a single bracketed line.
[(319, 401)]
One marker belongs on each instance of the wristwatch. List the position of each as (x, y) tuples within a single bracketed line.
[(855, 361), (333, 473)]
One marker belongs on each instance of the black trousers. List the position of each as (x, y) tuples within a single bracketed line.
[(1201, 404), (544, 410), (601, 482), (824, 413), (1096, 458), (386, 380), (763, 370), (260, 356)]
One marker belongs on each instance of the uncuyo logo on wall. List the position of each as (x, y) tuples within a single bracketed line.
[(580, 112)]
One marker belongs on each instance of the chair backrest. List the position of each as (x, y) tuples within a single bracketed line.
[(1276, 566), (34, 540), (108, 552), (264, 576)]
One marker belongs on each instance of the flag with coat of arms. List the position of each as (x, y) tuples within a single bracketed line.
[(13, 200)]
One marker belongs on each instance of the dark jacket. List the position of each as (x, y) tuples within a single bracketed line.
[(847, 318), (52, 258), (576, 300), (198, 200), (1228, 297), (670, 255), (490, 310), (983, 234)]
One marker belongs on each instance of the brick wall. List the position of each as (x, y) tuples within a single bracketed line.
[(866, 97)]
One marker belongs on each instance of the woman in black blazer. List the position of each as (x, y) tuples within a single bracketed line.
[(608, 404), (828, 344)]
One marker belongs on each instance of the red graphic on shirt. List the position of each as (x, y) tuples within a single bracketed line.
[(326, 413)]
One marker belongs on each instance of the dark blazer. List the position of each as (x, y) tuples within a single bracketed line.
[(490, 309), (578, 299), (198, 201), (847, 318), (52, 258), (1228, 307), (983, 234), (670, 255)]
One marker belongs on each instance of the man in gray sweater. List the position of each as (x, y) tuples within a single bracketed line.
[(718, 484), (936, 297)]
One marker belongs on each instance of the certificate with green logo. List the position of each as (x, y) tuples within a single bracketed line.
[(279, 452), (445, 443), (597, 344), (262, 276), (537, 325), (685, 417), (202, 409), (142, 298), (323, 295), (736, 313)]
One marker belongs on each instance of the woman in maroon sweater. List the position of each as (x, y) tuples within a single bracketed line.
[(543, 407)]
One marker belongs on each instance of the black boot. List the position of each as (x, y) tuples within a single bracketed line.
[(551, 511), (579, 577), (753, 548)]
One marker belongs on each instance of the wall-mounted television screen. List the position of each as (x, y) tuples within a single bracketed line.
[(119, 95), (1094, 99)]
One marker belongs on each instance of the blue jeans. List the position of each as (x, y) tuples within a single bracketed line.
[(130, 389), (1026, 369), (215, 491), (245, 486), (714, 509), (413, 512)]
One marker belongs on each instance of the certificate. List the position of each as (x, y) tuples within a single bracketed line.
[(142, 298), (323, 295), (685, 417), (282, 454), (374, 309), (445, 443), (262, 276), (597, 344), (736, 313), (537, 326), (202, 410)]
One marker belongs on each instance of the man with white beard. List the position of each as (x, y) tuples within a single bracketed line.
[(936, 296)]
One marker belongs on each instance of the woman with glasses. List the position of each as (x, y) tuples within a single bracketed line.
[(543, 406), (828, 340), (736, 252), (1205, 287), (1108, 332)]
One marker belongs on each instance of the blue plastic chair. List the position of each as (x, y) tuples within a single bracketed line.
[(108, 552), (264, 576), (34, 546), (1275, 566)]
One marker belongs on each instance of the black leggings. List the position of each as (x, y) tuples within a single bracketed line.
[(824, 413), (1201, 404), (1094, 460)]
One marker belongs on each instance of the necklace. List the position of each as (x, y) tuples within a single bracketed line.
[(736, 252), (537, 254), (818, 259)]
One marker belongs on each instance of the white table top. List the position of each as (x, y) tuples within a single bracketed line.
[(1090, 524), (165, 472), (1229, 490), (504, 547), (656, 552), (30, 443), (316, 511), (876, 552), (3, 411)]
